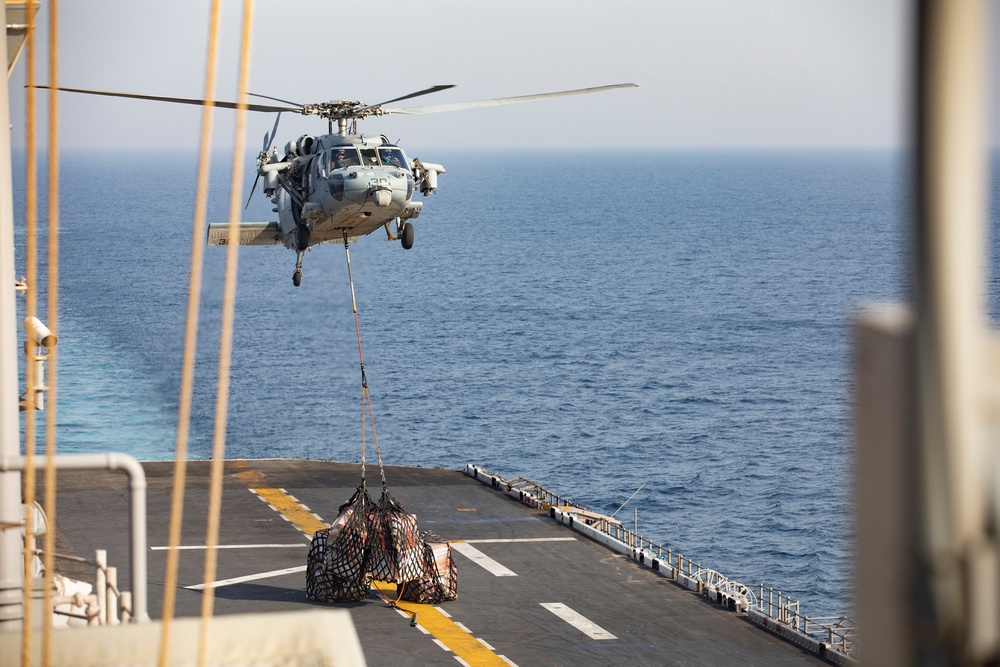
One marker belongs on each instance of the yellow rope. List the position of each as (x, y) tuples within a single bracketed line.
[(226, 339), (190, 339), (53, 324), (31, 306)]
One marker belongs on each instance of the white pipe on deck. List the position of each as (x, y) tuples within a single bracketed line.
[(137, 504)]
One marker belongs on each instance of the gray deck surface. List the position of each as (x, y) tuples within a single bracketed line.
[(655, 621)]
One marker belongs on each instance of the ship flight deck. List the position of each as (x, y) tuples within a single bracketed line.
[(531, 591)]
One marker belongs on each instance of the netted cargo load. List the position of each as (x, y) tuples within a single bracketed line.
[(439, 582), (335, 567), (395, 550)]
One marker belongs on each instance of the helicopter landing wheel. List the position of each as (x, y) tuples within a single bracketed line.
[(297, 276), (406, 236)]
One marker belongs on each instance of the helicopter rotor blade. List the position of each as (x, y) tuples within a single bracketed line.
[(419, 93), (252, 191), (177, 100), (275, 99), (480, 104), (274, 132)]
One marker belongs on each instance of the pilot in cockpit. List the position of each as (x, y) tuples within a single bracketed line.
[(340, 159), (390, 158)]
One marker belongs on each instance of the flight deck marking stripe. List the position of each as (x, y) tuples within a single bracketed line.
[(298, 545), (578, 620), (482, 560), (281, 502), (434, 621), (249, 577), (513, 540)]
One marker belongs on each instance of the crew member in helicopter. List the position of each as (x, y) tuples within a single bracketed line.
[(340, 159)]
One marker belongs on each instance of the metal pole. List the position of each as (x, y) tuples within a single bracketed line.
[(11, 567), (626, 502), (949, 285)]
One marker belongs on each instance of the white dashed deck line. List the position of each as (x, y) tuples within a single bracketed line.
[(483, 642), (514, 540), (462, 662), (441, 644), (507, 660), (463, 627), (482, 560), (298, 545), (443, 612), (578, 620), (249, 577)]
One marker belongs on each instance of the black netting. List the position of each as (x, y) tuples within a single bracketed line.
[(335, 567), (439, 581), (395, 550), (380, 542)]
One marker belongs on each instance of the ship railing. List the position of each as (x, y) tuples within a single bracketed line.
[(545, 497), (767, 607), (107, 605), (779, 607), (136, 600), (838, 632)]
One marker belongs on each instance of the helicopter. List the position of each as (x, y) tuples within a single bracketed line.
[(341, 185)]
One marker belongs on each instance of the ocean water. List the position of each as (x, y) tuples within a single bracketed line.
[(591, 320)]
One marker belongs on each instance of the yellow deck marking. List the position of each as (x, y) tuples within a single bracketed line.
[(459, 641), (300, 517), (445, 630)]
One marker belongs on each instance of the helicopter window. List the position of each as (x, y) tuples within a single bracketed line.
[(392, 157), (344, 157), (370, 157)]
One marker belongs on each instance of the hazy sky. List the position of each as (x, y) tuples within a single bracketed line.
[(713, 73)]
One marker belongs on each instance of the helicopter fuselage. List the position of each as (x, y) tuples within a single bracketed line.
[(335, 185)]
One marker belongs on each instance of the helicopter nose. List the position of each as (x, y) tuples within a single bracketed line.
[(381, 192)]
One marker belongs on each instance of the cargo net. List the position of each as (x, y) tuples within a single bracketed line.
[(370, 541), (335, 567), (395, 550), (439, 581)]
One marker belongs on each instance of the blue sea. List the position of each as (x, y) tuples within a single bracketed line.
[(594, 321)]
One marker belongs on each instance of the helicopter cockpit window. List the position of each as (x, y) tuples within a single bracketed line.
[(369, 157), (344, 157), (392, 157)]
